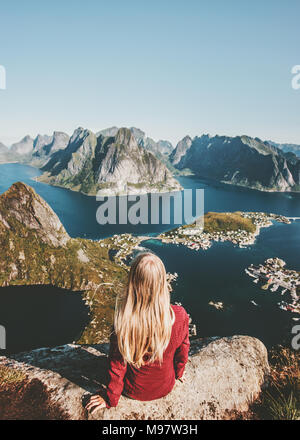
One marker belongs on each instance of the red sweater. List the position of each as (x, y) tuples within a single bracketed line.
[(150, 381)]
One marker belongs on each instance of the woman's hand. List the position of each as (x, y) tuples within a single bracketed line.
[(95, 402)]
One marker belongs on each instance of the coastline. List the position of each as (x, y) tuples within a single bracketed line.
[(112, 194), (205, 179)]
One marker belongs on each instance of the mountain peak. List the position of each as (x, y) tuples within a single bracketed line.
[(125, 137), (23, 210), (181, 148), (27, 138)]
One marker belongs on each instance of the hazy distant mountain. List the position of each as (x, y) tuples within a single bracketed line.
[(3, 148), (36, 151), (24, 147), (50, 144), (165, 147), (4, 153), (114, 164), (287, 148), (157, 148), (239, 160)]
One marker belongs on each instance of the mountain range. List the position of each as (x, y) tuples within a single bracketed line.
[(239, 160), (113, 161), (124, 160)]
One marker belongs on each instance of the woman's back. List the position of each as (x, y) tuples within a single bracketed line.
[(153, 379), (150, 343)]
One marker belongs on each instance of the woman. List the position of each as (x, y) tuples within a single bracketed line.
[(150, 343)]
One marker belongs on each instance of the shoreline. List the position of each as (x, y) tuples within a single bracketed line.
[(204, 179)]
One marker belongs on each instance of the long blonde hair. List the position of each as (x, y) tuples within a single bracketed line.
[(144, 317)]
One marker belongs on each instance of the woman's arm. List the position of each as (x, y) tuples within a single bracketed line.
[(117, 370), (182, 352)]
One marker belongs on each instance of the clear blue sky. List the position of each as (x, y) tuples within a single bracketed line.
[(168, 67)]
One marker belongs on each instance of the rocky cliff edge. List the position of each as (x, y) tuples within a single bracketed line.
[(223, 376)]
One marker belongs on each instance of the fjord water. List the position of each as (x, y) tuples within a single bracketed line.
[(216, 274), (40, 316)]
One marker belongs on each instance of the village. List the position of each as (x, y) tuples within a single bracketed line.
[(275, 276), (122, 248), (195, 238)]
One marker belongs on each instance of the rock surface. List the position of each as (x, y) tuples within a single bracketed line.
[(223, 375), (160, 148), (180, 150), (22, 204)]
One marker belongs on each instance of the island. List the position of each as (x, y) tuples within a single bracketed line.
[(273, 275), (240, 228)]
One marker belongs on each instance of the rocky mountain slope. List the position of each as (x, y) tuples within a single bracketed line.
[(160, 148), (110, 164), (36, 249), (239, 160), (45, 146), (222, 378), (180, 150)]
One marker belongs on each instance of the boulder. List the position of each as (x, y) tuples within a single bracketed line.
[(223, 376)]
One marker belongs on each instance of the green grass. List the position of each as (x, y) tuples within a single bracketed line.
[(227, 221), (282, 404), (223, 222), (281, 400)]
